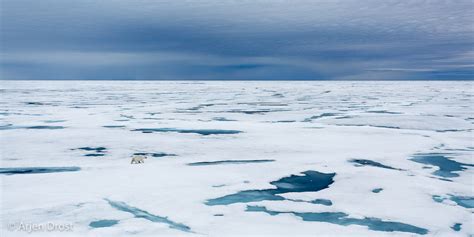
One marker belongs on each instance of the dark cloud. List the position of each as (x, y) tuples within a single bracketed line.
[(230, 39)]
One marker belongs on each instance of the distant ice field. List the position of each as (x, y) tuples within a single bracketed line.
[(236, 158)]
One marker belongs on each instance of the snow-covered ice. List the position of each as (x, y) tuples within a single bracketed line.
[(237, 158)]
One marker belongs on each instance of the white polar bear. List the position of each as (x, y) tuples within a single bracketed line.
[(137, 159)]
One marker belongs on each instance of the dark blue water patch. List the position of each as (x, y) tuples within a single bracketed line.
[(96, 149), (219, 185), (10, 126), (325, 202), (285, 121), (368, 125), (45, 127), (257, 111), (460, 149), (207, 105), (153, 154), (262, 104), (463, 201), (344, 117), (139, 213), (446, 166), (383, 112), (54, 121), (195, 108), (228, 162), (223, 119), (343, 219), (410, 104), (386, 126), (314, 127), (6, 127), (377, 190), (438, 198), (103, 223), (244, 197), (453, 130), (456, 227), (320, 116), (36, 103), (113, 126), (93, 151), (370, 98), (362, 162), (310, 181), (36, 170), (440, 146), (95, 154), (444, 179), (261, 111), (204, 132), (127, 116)]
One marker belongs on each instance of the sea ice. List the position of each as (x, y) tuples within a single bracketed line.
[(247, 158)]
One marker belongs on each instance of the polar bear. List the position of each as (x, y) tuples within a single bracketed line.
[(137, 159)]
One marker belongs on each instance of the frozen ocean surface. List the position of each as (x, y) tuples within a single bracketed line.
[(237, 158)]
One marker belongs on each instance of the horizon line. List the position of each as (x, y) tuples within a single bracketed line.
[(470, 79)]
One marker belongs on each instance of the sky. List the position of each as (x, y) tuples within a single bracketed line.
[(237, 39)]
